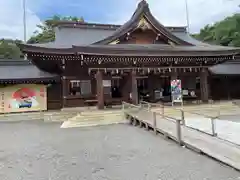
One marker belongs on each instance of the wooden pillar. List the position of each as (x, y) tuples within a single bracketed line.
[(134, 88), (204, 85), (64, 91), (152, 86), (100, 94), (126, 82)]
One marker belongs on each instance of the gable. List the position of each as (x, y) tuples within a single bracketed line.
[(144, 33), (142, 19)]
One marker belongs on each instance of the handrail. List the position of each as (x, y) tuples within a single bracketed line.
[(181, 110), (154, 120), (199, 114), (132, 105), (145, 109), (145, 102), (168, 117)]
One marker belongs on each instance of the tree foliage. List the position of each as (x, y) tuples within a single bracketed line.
[(46, 30), (225, 32), (9, 49)]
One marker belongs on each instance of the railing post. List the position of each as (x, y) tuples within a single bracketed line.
[(183, 117), (163, 112), (141, 104), (219, 113), (154, 122), (179, 133), (123, 112), (213, 122), (149, 106)]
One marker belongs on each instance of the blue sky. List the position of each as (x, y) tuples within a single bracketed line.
[(168, 12), (96, 12)]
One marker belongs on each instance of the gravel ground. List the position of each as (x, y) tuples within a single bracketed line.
[(43, 151)]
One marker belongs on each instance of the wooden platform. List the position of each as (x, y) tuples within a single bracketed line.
[(214, 147)]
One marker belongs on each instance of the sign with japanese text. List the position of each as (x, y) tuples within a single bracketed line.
[(176, 90)]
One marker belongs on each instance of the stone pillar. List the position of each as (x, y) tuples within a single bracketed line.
[(204, 85), (100, 94), (134, 88)]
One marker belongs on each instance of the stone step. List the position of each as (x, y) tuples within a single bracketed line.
[(59, 116), (93, 119), (72, 124), (21, 117), (46, 116), (93, 116), (98, 113), (100, 118)]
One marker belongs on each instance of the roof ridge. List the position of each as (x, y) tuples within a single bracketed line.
[(142, 11)]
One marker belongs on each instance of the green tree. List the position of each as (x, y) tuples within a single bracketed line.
[(225, 32), (9, 49), (46, 30)]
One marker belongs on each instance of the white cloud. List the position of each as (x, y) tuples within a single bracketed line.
[(11, 20), (168, 12), (173, 12)]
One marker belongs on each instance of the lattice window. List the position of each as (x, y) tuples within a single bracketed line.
[(142, 83), (115, 82), (86, 88), (116, 90), (80, 87)]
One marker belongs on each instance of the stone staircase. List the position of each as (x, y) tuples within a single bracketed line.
[(94, 118), (15, 117), (58, 116), (49, 116)]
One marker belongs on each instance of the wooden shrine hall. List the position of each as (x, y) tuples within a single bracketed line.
[(104, 64)]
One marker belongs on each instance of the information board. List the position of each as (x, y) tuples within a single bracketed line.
[(176, 90)]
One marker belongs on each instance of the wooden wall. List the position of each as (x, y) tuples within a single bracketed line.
[(142, 37), (54, 96), (74, 71), (225, 87)]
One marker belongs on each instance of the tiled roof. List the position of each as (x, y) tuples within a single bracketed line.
[(22, 70)]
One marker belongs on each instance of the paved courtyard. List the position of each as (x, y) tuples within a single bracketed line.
[(43, 151)]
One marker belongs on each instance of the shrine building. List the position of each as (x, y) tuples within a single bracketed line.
[(105, 64)]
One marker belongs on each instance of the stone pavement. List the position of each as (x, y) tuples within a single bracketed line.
[(219, 149), (43, 151)]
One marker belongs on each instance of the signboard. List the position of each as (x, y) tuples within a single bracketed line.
[(185, 92), (24, 98), (176, 90), (107, 83)]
